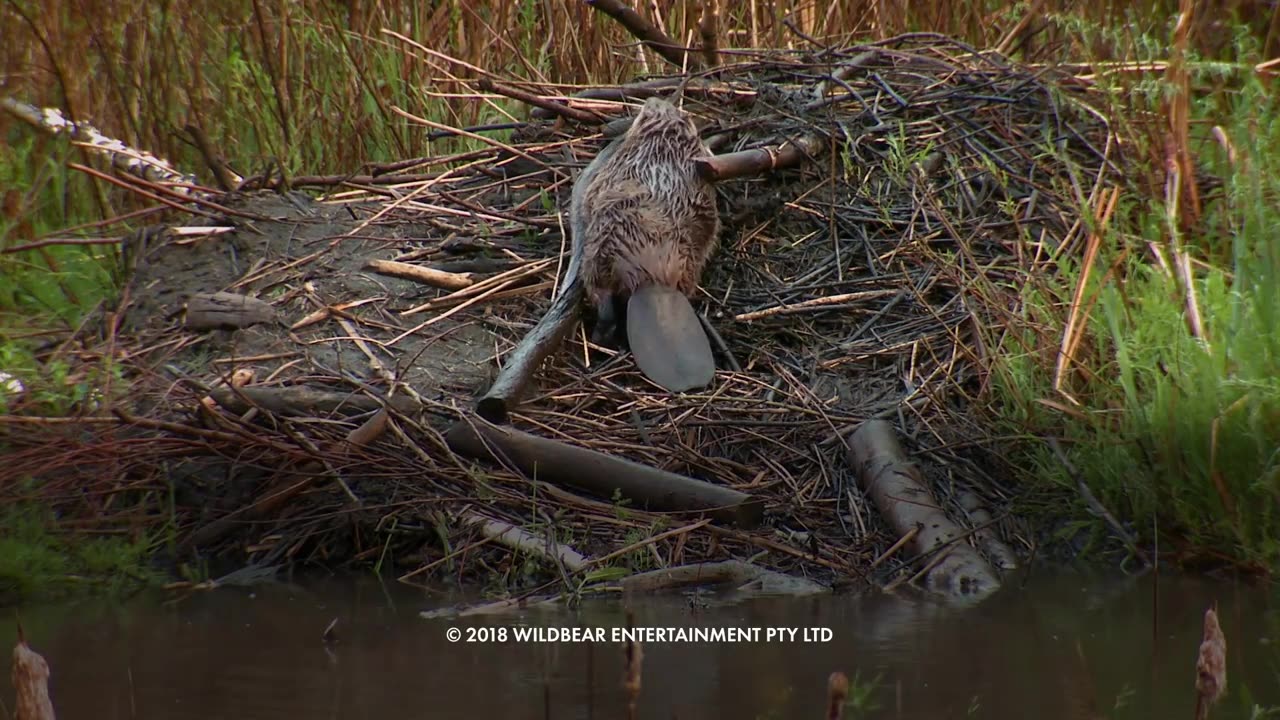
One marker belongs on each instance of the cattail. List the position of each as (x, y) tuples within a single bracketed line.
[(631, 683), (1211, 665), (31, 682), (837, 691)]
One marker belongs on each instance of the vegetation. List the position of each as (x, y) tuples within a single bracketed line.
[(35, 561), (1171, 417)]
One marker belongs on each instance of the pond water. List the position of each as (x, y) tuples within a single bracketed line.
[(1063, 647)]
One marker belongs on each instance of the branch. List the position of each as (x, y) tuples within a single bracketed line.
[(647, 33), (545, 337), (583, 116)]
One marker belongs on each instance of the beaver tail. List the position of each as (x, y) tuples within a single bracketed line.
[(667, 339)]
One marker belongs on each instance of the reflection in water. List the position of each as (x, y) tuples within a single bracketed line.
[(1064, 648)]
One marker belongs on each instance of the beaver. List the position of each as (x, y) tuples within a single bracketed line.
[(646, 224)]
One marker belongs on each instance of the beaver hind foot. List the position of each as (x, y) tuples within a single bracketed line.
[(667, 339), (610, 317)]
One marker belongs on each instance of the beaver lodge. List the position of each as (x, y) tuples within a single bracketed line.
[(396, 372)]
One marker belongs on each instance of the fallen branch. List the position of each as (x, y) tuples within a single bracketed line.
[(521, 540), (895, 485), (138, 163), (651, 489)]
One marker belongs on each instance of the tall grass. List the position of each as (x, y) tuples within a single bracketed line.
[(1170, 430), (1176, 428)]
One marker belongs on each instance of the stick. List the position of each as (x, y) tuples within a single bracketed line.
[(647, 33), (651, 88), (736, 572), (898, 490), (652, 489), (813, 303), (304, 401), (430, 276)]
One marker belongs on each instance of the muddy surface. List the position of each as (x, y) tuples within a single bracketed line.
[(303, 255)]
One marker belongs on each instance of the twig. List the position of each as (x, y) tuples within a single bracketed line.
[(583, 116)]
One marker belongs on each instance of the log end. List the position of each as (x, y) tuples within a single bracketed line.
[(749, 514), (493, 408), (226, 311)]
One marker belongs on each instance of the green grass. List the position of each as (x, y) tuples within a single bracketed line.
[(38, 563), (1177, 434)]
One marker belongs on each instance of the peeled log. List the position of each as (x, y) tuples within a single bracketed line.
[(600, 474), (224, 310), (895, 485), (30, 683), (522, 540)]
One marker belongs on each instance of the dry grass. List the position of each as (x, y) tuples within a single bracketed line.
[(311, 83)]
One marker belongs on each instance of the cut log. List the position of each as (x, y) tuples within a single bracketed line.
[(758, 161), (600, 474), (303, 401), (30, 683), (521, 540), (226, 311), (899, 492)]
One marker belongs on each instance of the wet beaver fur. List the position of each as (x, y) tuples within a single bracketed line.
[(647, 224)]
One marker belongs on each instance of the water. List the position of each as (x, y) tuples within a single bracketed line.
[(1058, 648)]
